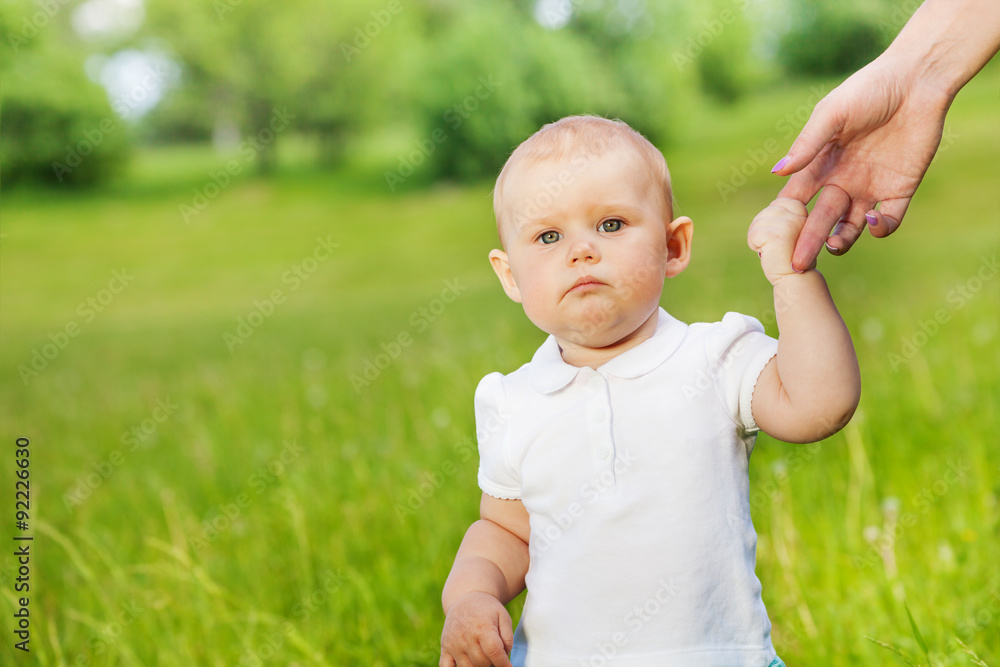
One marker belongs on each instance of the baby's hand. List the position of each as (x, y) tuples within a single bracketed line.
[(477, 631), (773, 234)]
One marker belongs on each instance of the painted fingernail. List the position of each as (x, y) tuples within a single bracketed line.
[(781, 164), (872, 220)]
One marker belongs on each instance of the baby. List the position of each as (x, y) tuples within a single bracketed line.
[(614, 465)]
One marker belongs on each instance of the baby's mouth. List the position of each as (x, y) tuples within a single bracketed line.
[(586, 284)]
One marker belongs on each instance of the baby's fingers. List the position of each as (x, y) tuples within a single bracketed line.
[(507, 634), (495, 650), (793, 206)]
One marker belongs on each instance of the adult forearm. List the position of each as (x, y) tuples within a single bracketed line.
[(491, 560), (816, 363), (946, 42)]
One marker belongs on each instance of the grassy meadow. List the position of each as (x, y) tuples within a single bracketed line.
[(254, 441)]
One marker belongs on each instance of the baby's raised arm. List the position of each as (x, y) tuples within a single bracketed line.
[(488, 573), (811, 388)]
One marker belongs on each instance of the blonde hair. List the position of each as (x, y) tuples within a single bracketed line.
[(591, 136)]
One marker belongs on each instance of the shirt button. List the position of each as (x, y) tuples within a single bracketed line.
[(604, 453), (598, 416), (596, 382)]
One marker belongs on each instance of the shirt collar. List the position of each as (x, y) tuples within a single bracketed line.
[(549, 373)]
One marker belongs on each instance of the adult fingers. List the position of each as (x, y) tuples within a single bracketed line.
[(823, 123), (843, 236), (888, 218), (801, 186), (829, 209), (849, 228)]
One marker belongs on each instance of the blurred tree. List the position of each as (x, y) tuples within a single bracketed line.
[(58, 126), (484, 90), (833, 37), (726, 65), (246, 63)]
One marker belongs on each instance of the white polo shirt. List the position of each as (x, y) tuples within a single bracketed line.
[(635, 478)]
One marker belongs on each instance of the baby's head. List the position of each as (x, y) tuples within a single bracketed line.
[(580, 140), (585, 215)]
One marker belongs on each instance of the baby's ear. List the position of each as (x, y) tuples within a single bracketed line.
[(679, 233), (501, 266)]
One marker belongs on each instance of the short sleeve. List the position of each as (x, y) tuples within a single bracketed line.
[(739, 350), (497, 476)]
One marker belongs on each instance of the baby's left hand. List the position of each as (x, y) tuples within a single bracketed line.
[(772, 236)]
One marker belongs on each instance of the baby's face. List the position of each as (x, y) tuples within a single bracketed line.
[(588, 243)]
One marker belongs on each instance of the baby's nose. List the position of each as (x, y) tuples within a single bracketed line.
[(583, 250)]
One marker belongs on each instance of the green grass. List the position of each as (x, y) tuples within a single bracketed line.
[(336, 555)]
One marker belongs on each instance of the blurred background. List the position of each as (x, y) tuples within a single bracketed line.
[(245, 303)]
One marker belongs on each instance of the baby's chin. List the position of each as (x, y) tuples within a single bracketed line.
[(598, 324), (596, 331)]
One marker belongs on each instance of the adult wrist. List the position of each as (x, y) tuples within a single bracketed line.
[(939, 50)]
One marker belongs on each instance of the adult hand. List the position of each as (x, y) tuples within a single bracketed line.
[(868, 142)]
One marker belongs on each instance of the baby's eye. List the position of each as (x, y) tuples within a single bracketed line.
[(549, 237), (612, 225)]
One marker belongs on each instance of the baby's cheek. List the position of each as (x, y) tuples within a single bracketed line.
[(535, 306)]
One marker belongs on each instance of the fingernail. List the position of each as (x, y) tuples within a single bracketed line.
[(832, 249), (781, 164), (872, 220), (796, 270)]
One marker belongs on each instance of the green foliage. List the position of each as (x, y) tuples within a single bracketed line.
[(488, 89), (58, 126), (726, 67), (590, 66), (243, 59), (831, 38)]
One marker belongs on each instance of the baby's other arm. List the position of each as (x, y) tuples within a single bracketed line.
[(811, 388), (488, 573)]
